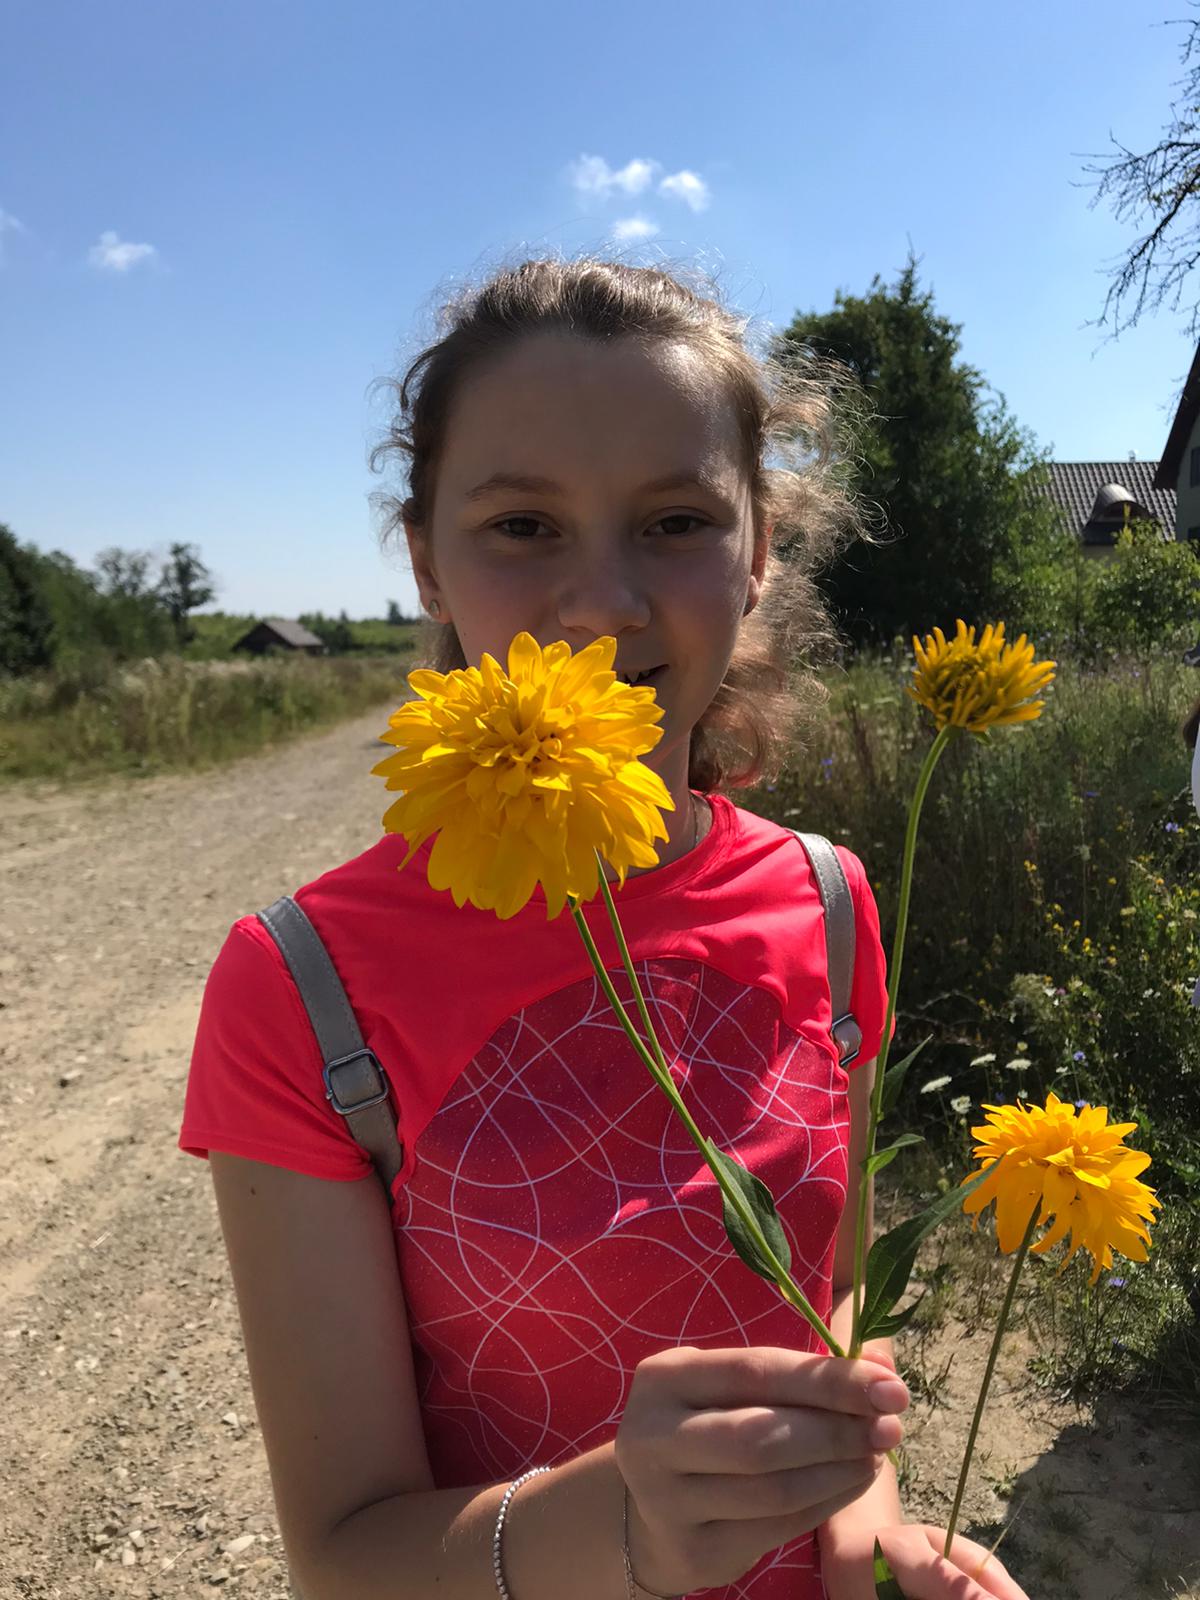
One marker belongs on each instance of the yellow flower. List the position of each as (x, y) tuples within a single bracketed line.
[(1072, 1166), (977, 686), (524, 775)]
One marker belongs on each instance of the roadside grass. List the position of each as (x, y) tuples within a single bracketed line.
[(167, 714)]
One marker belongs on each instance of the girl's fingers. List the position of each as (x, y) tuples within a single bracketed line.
[(985, 1570), (764, 1439), (764, 1375), (732, 1497)]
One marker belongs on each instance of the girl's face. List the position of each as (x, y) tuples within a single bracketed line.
[(590, 489)]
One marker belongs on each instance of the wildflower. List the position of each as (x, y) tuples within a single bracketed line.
[(1018, 1064), (1171, 827), (977, 686), (524, 775), (1114, 1283), (982, 1061), (935, 1083), (1074, 1167), (961, 1104), (1079, 1056)]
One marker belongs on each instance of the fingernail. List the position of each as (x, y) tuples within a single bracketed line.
[(884, 1432), (889, 1394)]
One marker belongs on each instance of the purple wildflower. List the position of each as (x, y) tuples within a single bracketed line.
[(1115, 1283), (1079, 1056), (1171, 827)]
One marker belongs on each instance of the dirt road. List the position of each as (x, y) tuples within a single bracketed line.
[(130, 1460), (130, 1463)]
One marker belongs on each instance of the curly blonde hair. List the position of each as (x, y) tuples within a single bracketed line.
[(806, 409)]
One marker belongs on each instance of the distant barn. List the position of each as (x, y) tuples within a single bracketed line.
[(276, 633)]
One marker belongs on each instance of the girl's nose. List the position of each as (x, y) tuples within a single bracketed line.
[(604, 598)]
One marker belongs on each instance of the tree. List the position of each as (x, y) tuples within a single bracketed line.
[(335, 634), (26, 621), (1158, 191), (945, 463), (1149, 593), (123, 572), (185, 583), (395, 616)]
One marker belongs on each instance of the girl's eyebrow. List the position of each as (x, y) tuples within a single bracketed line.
[(527, 483)]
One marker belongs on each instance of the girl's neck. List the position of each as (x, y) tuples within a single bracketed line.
[(686, 826)]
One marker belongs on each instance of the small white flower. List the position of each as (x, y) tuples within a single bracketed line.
[(961, 1104), (982, 1061), (935, 1083), (1018, 1064)]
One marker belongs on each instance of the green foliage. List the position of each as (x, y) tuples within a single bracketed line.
[(948, 467), (1148, 593), (761, 1205), (26, 624), (1053, 937), (184, 586), (170, 714)]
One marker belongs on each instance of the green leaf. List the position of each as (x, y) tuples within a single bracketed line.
[(890, 1324), (890, 1263), (762, 1206), (893, 1078), (880, 1158), (886, 1587)]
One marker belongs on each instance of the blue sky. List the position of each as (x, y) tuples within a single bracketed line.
[(221, 221)]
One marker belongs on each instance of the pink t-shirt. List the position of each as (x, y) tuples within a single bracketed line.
[(554, 1222)]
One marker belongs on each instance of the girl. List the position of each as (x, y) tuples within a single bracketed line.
[(548, 1284)]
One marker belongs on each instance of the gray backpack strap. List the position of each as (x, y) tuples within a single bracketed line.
[(839, 940), (355, 1083)]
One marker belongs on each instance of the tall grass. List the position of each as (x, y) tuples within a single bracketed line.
[(1052, 942), (168, 713)]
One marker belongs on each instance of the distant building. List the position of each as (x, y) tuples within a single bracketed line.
[(1092, 496), (276, 633), (1179, 469)]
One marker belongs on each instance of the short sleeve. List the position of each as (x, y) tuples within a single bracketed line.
[(868, 992), (254, 1086)]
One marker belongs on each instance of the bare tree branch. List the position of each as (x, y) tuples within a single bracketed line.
[(1158, 191)]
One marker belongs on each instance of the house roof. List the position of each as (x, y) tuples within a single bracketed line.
[(1181, 428), (290, 632), (1076, 484)]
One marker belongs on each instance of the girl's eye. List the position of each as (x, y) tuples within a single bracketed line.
[(521, 528)]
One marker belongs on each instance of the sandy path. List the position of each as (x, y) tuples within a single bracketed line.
[(123, 1397), (130, 1462)]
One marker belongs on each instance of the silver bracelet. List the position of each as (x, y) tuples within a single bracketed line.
[(631, 1583), (497, 1566)]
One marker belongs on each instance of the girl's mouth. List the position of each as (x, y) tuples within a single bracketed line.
[(652, 675)]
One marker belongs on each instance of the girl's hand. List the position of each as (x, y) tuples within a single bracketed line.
[(730, 1453), (914, 1551)]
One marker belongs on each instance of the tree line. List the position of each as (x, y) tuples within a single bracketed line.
[(957, 487)]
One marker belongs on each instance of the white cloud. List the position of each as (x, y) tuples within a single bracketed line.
[(634, 228), (686, 186), (8, 224), (114, 254), (593, 175)]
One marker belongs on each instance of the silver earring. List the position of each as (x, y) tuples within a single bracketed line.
[(435, 608)]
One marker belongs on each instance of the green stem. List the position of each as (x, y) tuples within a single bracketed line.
[(987, 1376), (660, 1072), (945, 734)]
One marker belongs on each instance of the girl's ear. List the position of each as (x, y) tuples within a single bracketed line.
[(427, 584), (758, 566)]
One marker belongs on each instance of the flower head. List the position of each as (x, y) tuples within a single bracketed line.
[(977, 686), (1071, 1164), (525, 774)]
